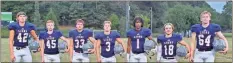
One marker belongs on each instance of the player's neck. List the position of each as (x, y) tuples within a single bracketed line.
[(21, 23), (79, 30), (168, 35), (205, 25), (138, 29), (106, 32), (50, 31)]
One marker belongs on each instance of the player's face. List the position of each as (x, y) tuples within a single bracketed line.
[(138, 24), (50, 26), (205, 18), (22, 18), (79, 26), (168, 29), (107, 27)]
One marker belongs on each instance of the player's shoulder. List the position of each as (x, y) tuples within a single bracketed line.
[(176, 35), (160, 36), (195, 25), (130, 30), (29, 24), (214, 25), (42, 32), (13, 24), (145, 29), (57, 31)]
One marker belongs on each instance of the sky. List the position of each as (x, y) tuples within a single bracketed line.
[(218, 6)]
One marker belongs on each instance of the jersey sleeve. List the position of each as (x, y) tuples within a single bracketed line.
[(70, 34), (11, 26), (41, 36), (90, 34), (128, 34), (32, 27), (217, 28), (147, 32), (193, 28), (59, 34), (179, 38), (158, 39), (97, 36), (117, 35)]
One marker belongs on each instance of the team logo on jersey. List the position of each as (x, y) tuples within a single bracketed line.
[(80, 36), (107, 39), (22, 30), (137, 36), (204, 32), (168, 42)]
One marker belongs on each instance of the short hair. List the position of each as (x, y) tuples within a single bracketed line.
[(20, 13), (108, 22), (170, 25), (80, 21), (138, 18), (205, 12), (50, 21)]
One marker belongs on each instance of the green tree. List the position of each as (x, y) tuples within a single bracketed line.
[(115, 21), (52, 16)]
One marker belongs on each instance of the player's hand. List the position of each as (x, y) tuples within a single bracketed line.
[(191, 59), (42, 60), (67, 50), (12, 57), (224, 51), (188, 55), (39, 49), (98, 60), (91, 50)]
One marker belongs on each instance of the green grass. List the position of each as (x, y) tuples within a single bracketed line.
[(5, 57)]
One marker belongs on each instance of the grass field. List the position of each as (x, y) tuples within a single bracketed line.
[(5, 56)]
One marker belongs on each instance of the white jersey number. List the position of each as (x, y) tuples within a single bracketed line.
[(51, 43), (22, 39), (168, 49), (202, 40), (81, 43)]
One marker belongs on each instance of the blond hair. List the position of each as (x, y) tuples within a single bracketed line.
[(168, 24), (205, 12), (108, 22), (50, 21)]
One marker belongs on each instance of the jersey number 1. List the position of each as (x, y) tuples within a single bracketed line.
[(168, 49)]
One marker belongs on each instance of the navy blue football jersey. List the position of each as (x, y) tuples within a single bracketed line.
[(21, 35), (169, 45), (107, 43), (138, 39), (205, 36), (80, 38), (50, 41)]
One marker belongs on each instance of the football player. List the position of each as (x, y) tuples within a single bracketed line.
[(19, 32), (136, 40), (169, 41), (78, 38), (49, 43), (106, 42), (202, 38)]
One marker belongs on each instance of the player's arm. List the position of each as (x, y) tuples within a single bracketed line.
[(98, 50), (122, 43), (11, 38), (151, 38), (71, 48), (67, 41), (41, 43), (221, 36), (182, 42), (129, 45), (33, 33), (93, 41), (193, 43)]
